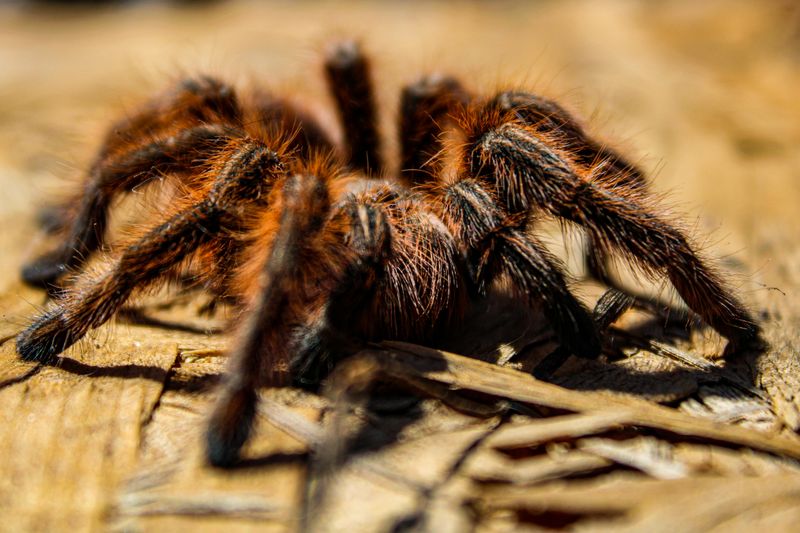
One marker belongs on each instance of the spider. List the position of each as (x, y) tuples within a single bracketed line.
[(321, 247)]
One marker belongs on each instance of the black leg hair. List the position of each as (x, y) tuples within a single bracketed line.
[(158, 251), (425, 108), (178, 153), (497, 245), (529, 174), (271, 348), (261, 355), (609, 167), (192, 102), (244, 177), (536, 274), (349, 81), (550, 118)]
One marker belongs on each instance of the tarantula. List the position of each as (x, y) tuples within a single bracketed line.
[(320, 246)]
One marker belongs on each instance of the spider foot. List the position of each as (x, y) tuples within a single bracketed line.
[(44, 271), (611, 305), (550, 364), (43, 340), (230, 426), (750, 340)]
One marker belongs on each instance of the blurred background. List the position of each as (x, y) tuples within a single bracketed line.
[(701, 94)]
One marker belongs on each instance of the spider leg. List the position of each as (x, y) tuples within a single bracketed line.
[(279, 116), (425, 107), (260, 355), (364, 230), (191, 102), (498, 244), (53, 218), (243, 175), (550, 118), (528, 173), (610, 167), (88, 307), (271, 348), (537, 274), (348, 74), (124, 162), (85, 230)]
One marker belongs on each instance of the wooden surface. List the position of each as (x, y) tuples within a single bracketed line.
[(704, 95)]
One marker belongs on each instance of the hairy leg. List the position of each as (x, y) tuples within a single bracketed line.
[(86, 228), (499, 245), (191, 102), (550, 118), (529, 173), (425, 108), (607, 165), (348, 74), (90, 306), (270, 349), (260, 354), (166, 135), (243, 174)]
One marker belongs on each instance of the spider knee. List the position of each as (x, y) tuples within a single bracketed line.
[(247, 171), (205, 86), (212, 95), (470, 211), (532, 106)]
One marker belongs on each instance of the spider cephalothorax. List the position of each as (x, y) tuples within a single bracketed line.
[(321, 247)]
